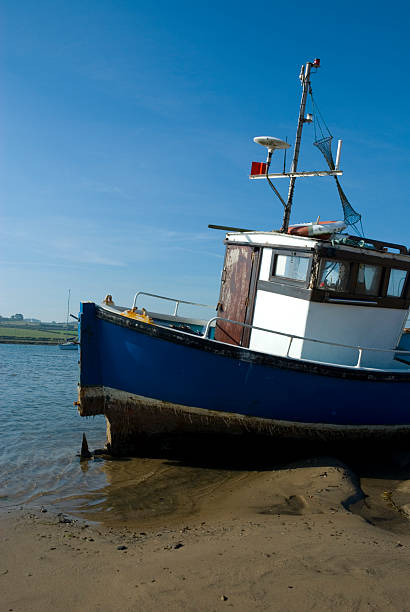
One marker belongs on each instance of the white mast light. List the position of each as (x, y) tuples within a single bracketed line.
[(339, 148), (271, 143)]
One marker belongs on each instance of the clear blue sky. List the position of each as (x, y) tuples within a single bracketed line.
[(127, 126)]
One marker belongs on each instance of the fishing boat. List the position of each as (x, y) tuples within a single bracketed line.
[(308, 339)]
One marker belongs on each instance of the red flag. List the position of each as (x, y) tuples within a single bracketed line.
[(258, 168)]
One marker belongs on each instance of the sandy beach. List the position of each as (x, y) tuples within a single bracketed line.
[(307, 536)]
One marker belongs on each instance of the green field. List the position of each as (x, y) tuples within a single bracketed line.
[(34, 332)]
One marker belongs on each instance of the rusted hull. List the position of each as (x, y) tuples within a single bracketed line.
[(133, 419)]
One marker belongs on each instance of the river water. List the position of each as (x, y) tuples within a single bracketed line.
[(41, 433), (41, 430)]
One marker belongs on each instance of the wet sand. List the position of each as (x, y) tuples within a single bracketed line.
[(320, 532)]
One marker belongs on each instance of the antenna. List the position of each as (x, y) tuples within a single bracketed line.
[(228, 228), (284, 158)]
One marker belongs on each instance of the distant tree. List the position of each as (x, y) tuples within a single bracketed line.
[(17, 317)]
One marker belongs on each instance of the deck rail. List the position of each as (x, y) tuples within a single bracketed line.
[(168, 299), (292, 337)]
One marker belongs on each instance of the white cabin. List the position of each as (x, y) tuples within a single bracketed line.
[(349, 291)]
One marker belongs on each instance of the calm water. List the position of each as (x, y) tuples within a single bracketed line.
[(41, 429), (41, 436)]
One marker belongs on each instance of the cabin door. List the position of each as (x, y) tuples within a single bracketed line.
[(237, 296)]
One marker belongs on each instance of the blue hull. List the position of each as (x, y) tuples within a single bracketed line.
[(170, 368)]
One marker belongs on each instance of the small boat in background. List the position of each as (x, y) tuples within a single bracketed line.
[(71, 343)]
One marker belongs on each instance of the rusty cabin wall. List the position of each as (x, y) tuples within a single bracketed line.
[(237, 295)]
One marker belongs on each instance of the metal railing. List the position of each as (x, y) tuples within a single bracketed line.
[(292, 337), (162, 297)]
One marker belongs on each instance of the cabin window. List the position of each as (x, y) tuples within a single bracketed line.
[(291, 266), (368, 279), (396, 282), (334, 275)]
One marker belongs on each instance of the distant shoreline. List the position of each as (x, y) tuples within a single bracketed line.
[(43, 342), (43, 333)]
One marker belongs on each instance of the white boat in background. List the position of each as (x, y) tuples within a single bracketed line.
[(71, 343)]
